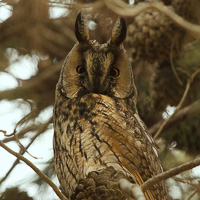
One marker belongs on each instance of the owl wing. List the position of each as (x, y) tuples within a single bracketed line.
[(137, 157), (140, 181), (128, 147), (141, 162)]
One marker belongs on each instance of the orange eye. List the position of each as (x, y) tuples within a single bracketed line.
[(114, 72), (80, 69)]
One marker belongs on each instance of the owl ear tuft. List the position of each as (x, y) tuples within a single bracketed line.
[(81, 29), (118, 32)]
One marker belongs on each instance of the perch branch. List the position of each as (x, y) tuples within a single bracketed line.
[(170, 173), (30, 164), (137, 192)]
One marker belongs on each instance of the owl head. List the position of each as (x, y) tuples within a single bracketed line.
[(91, 67)]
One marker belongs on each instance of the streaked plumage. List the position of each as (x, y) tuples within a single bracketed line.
[(95, 117)]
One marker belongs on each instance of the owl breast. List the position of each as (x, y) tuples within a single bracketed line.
[(85, 142)]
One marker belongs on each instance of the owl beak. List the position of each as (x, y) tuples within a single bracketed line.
[(97, 85)]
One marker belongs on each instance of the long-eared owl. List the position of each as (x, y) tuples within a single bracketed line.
[(96, 121)]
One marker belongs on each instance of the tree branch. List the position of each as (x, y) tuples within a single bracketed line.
[(41, 174), (186, 182), (123, 9), (181, 115), (189, 82), (192, 194), (137, 192), (170, 173), (24, 149)]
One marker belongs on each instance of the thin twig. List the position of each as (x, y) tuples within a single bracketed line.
[(22, 151), (177, 108), (3, 131), (24, 119), (193, 193), (22, 133), (189, 82), (130, 188), (123, 9), (172, 65), (18, 123), (41, 174), (197, 188), (183, 114), (16, 162), (170, 173), (184, 181)]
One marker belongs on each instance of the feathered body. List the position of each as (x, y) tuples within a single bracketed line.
[(95, 117)]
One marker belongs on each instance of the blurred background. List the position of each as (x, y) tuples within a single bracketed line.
[(36, 36)]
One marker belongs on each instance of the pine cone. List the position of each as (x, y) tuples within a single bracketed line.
[(102, 185), (153, 37), (150, 36)]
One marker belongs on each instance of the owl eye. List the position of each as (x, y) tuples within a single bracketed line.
[(80, 69), (114, 72)]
